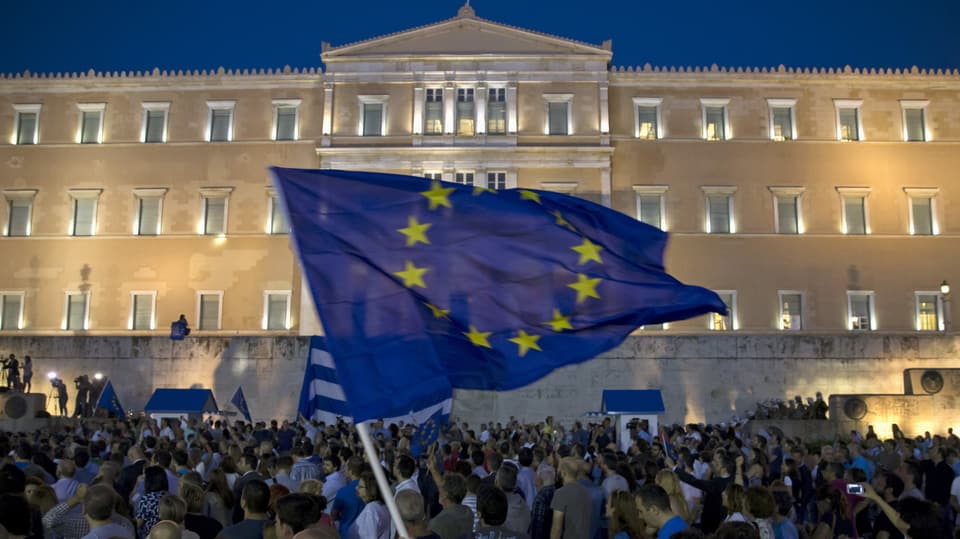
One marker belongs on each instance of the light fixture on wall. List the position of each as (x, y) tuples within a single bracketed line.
[(945, 294)]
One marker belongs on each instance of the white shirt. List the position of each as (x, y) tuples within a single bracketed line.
[(372, 523), (334, 482), (407, 484), (65, 488)]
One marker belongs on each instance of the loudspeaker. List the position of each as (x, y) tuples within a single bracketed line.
[(18, 411), (931, 381)]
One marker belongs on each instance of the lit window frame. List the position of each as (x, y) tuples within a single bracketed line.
[(383, 101), (730, 192), (803, 309), (214, 192), (914, 104), (930, 193), (732, 307), (140, 194), (274, 202), (3, 305), (871, 305), (558, 98), (155, 106), (855, 192), (26, 108), (712, 102), (655, 102), (153, 309), (84, 194), (11, 195), (200, 294), (857, 104), (796, 192), (266, 309), (285, 103), (66, 309), (84, 108), (941, 325), (782, 103), (220, 105), (653, 190)]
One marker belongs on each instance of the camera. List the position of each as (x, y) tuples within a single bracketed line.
[(853, 488)]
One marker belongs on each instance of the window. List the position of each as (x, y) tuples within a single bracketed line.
[(655, 327), (496, 180), (436, 176), (142, 308), (464, 178), (27, 122), (276, 310), (914, 120), (220, 121), (19, 211), (154, 122), (466, 113), (650, 205), (91, 123), (278, 219), (433, 112), (782, 119), (791, 310), (209, 309), (923, 220), (11, 310), (373, 117), (860, 311), (719, 322), (715, 119), (849, 123), (149, 211), (646, 112), (214, 221), (558, 114), (786, 210), (84, 221), (719, 202), (929, 311), (286, 113), (75, 311), (496, 111), (854, 209)]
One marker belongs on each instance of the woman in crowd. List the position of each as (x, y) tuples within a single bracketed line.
[(193, 494), (374, 521), (41, 496), (733, 502), (625, 521), (668, 481), (147, 511), (218, 499), (759, 507), (831, 506), (174, 509)]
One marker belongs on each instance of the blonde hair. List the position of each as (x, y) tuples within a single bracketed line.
[(670, 483), (311, 486), (172, 507)]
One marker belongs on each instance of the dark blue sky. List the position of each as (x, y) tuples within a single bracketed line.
[(72, 35)]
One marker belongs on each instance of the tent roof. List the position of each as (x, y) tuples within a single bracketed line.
[(181, 401), (632, 401)]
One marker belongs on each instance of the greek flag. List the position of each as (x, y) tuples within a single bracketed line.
[(322, 398)]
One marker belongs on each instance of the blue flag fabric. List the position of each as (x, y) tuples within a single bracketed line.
[(240, 402), (428, 432), (424, 286), (108, 400)]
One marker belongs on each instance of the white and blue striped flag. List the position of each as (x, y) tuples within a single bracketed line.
[(322, 398)]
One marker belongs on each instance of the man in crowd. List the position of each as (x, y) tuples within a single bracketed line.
[(347, 503), (404, 470), (335, 478), (541, 517), (295, 513), (410, 507), (98, 503), (247, 468), (492, 506), (455, 520), (303, 469), (571, 504), (654, 505), (254, 503), (66, 485), (518, 514)]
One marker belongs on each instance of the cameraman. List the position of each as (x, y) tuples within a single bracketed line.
[(82, 383), (62, 395)]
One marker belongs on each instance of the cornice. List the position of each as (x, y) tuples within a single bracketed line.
[(156, 76), (781, 73)]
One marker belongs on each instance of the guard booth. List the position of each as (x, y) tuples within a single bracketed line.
[(627, 405), (181, 404)]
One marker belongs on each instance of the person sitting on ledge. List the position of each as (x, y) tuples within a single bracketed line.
[(179, 328)]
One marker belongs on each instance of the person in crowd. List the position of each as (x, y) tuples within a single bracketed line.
[(541, 517), (455, 520), (759, 508), (373, 522), (218, 498), (302, 468), (165, 529), (623, 516), (98, 510), (403, 470), (295, 513), (653, 503), (571, 505), (14, 516), (492, 506), (66, 485), (348, 504), (172, 508), (254, 503), (412, 511), (27, 374), (41, 496), (518, 514), (335, 477), (783, 526), (723, 468), (147, 511), (247, 468), (669, 482), (733, 503), (193, 494)]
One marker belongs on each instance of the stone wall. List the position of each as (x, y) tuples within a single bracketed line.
[(704, 378)]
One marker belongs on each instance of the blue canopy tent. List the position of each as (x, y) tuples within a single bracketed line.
[(181, 403), (632, 404)]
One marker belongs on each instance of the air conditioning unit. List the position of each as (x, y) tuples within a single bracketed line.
[(931, 381)]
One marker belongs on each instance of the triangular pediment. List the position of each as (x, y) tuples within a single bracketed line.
[(466, 36)]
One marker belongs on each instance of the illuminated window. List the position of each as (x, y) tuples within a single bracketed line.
[(91, 122), (719, 322), (142, 307), (929, 311), (558, 120), (433, 112), (922, 215), (849, 122), (149, 211), (278, 219), (11, 310), (496, 180), (854, 211), (76, 311), (860, 311), (786, 209), (286, 115), (914, 120), (27, 123), (373, 115), (466, 112), (154, 122), (655, 327), (215, 210), (437, 176), (209, 309), (791, 310), (463, 178), (84, 221), (647, 125), (276, 310), (715, 124), (220, 121), (650, 205), (719, 204), (496, 111), (19, 211), (782, 119)]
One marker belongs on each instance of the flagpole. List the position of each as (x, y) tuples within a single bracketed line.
[(382, 483)]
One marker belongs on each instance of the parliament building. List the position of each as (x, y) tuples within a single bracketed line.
[(815, 201)]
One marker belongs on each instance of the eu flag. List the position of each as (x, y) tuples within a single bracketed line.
[(424, 286), (108, 400), (240, 402), (428, 432)]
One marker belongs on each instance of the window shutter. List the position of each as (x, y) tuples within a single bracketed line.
[(719, 214), (372, 119), (787, 215), (286, 123), (155, 121), (11, 312), (278, 224), (91, 128), (209, 312), (85, 210), (558, 118), (922, 216), (76, 309), (220, 125), (856, 219), (19, 218), (650, 210), (915, 127), (277, 312), (27, 128), (149, 224), (142, 311), (215, 214)]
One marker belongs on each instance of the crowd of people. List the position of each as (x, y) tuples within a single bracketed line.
[(813, 408), (137, 478)]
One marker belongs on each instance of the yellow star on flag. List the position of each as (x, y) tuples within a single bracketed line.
[(559, 322), (479, 338), (437, 311), (585, 287), (412, 275), (588, 251), (479, 190), (529, 195), (526, 342), (561, 221), (437, 195), (415, 231)]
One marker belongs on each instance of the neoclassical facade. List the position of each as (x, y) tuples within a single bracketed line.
[(821, 200)]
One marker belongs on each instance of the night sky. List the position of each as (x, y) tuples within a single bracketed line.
[(71, 35)]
